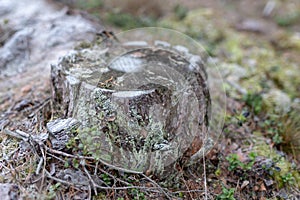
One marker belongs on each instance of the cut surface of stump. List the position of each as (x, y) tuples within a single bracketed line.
[(141, 106)]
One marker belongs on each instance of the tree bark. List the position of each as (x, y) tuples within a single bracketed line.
[(141, 109)]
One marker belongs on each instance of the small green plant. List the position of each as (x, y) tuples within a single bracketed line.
[(52, 191), (252, 156), (90, 142), (66, 165), (128, 21), (89, 4), (288, 19), (218, 172), (181, 195), (180, 11), (137, 194), (237, 118), (106, 179), (272, 126), (72, 143), (277, 139), (227, 194), (254, 101), (234, 161), (75, 163), (5, 21), (242, 117), (288, 178)]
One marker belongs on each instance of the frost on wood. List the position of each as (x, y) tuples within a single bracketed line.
[(139, 108)]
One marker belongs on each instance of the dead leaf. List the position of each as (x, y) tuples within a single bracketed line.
[(26, 89), (242, 156), (262, 187), (233, 146), (244, 184)]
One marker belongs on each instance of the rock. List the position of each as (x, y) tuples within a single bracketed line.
[(15, 53), (139, 109), (268, 182), (296, 103), (269, 7), (33, 38), (252, 25), (278, 101), (9, 191), (233, 72), (283, 194)]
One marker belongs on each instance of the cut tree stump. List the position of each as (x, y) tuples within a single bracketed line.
[(143, 107)]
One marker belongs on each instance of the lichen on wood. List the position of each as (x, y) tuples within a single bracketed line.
[(139, 108)]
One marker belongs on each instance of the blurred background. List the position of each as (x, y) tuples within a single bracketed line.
[(131, 13), (274, 21)]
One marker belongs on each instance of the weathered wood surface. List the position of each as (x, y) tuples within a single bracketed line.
[(141, 107)]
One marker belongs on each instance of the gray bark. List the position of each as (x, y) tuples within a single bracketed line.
[(140, 108)]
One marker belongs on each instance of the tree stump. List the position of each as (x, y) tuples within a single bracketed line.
[(141, 106)]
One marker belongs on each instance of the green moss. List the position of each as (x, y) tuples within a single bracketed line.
[(180, 11), (234, 50), (127, 21), (253, 85), (197, 24), (89, 4), (288, 19), (262, 62), (234, 161), (286, 41), (218, 172), (264, 150), (5, 21), (83, 45), (254, 101)]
